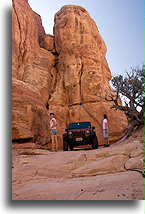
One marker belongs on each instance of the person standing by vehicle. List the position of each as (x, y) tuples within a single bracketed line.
[(53, 131), (105, 131)]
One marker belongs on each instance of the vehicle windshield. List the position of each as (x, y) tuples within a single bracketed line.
[(79, 125)]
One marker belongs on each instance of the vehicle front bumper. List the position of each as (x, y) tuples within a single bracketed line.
[(84, 141)]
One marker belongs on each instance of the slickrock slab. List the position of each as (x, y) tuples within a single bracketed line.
[(118, 186)]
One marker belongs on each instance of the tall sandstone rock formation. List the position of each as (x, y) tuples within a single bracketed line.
[(31, 66), (83, 72), (59, 74)]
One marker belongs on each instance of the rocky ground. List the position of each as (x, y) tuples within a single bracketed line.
[(113, 173)]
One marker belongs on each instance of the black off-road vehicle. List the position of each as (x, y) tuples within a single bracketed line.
[(80, 133)]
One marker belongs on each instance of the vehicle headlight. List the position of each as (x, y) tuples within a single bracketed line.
[(87, 132)]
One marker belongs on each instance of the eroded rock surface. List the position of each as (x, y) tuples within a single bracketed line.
[(116, 186), (84, 72), (106, 173), (66, 71), (31, 66), (28, 113)]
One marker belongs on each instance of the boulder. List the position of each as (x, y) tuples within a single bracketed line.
[(134, 164), (49, 42)]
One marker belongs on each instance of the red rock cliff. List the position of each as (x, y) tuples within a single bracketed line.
[(83, 72), (31, 66), (60, 75)]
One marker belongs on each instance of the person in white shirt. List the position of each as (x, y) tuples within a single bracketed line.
[(53, 131), (105, 131)]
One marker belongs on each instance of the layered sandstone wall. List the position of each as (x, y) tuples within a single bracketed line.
[(59, 74), (31, 72), (84, 72)]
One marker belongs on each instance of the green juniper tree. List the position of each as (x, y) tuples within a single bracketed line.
[(131, 88)]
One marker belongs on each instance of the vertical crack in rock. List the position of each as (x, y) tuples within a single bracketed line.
[(19, 55)]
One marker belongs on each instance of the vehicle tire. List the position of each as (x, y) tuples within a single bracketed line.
[(71, 148), (65, 145), (95, 142)]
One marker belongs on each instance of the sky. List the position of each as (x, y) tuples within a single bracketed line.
[(120, 23)]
